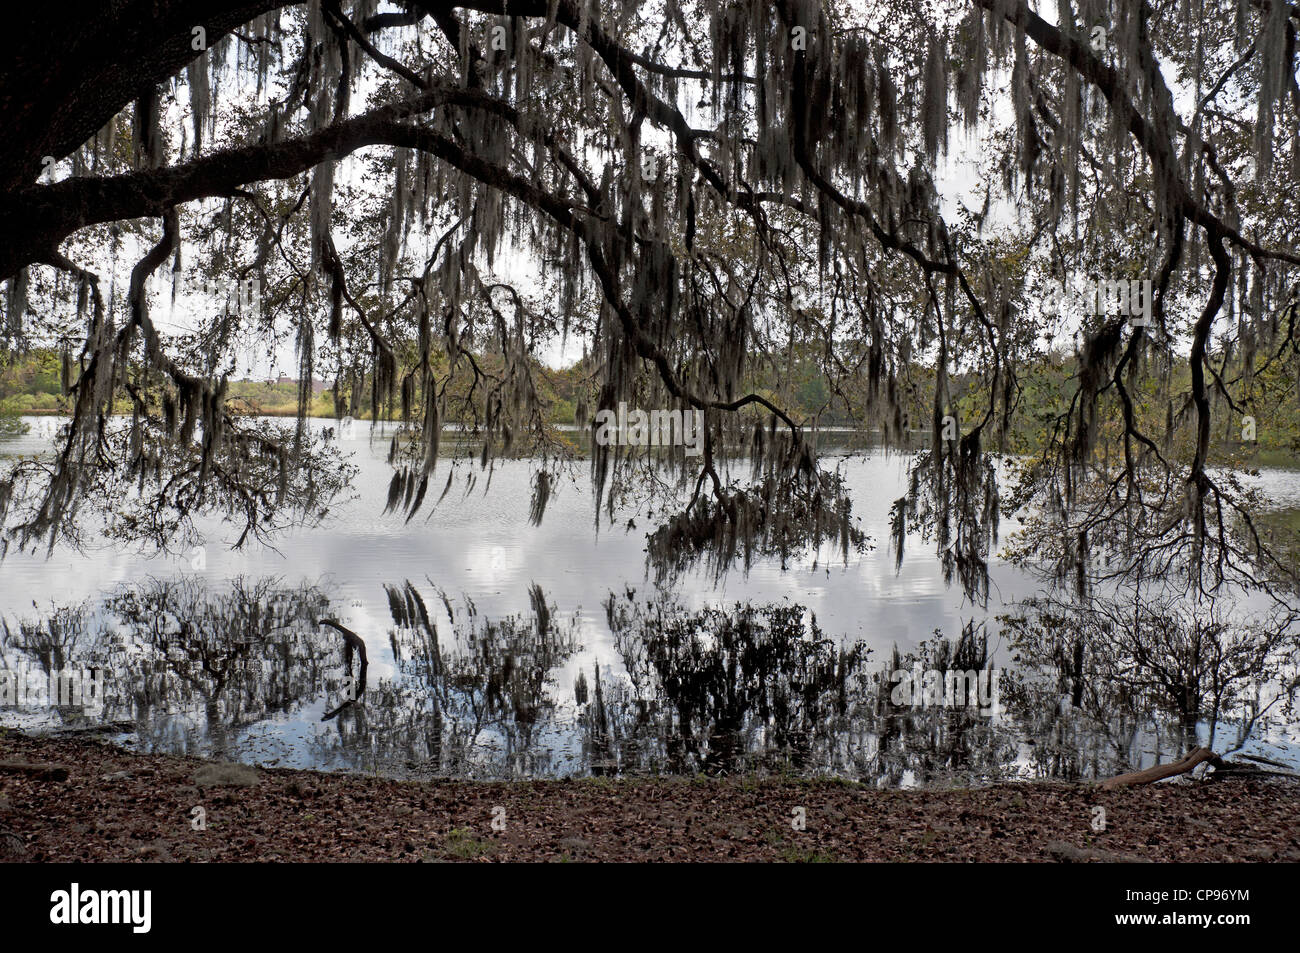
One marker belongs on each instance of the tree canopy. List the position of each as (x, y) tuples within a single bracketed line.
[(700, 192)]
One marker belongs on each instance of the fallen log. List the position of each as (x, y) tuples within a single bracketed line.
[(1161, 771), (42, 772), (106, 728), (1269, 761)]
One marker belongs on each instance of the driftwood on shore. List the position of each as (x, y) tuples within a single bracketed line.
[(104, 728), (1161, 771), (42, 772)]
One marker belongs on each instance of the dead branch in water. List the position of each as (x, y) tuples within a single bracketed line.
[(352, 642)]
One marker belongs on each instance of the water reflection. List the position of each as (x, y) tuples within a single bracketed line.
[(476, 700), (764, 689), (263, 672), (1100, 682), (188, 668), (478, 540)]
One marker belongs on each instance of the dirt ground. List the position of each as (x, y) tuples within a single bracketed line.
[(101, 803)]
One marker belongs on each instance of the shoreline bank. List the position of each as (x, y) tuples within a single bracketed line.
[(82, 800)]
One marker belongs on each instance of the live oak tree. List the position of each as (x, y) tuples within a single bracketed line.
[(695, 190)]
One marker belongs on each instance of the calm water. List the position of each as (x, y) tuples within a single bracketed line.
[(494, 649)]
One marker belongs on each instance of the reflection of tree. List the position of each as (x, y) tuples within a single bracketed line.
[(1113, 679), (1101, 685), (242, 655), (477, 702), (718, 691), (53, 642), (56, 643), (761, 688), (353, 644), (938, 743), (173, 648)]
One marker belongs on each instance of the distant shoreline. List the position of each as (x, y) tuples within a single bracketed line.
[(1271, 459)]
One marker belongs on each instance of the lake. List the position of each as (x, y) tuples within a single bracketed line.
[(500, 649)]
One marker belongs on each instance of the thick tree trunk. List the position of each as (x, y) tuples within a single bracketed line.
[(67, 68)]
